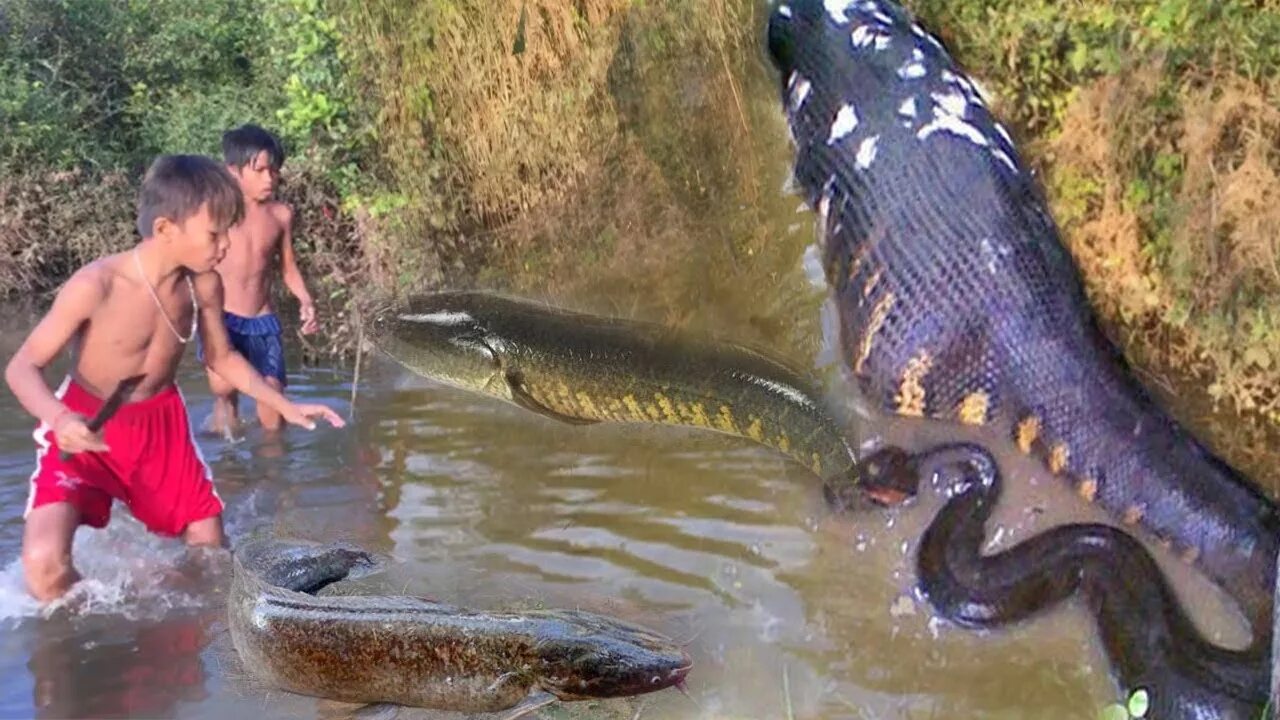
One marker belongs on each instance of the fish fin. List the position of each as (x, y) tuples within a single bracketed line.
[(526, 401), (534, 701), (372, 711)]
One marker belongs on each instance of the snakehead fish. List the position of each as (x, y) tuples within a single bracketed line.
[(958, 300), (582, 368), (411, 651), (1147, 637)]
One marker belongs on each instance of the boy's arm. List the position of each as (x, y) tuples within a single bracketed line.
[(222, 358), (289, 269), (24, 374)]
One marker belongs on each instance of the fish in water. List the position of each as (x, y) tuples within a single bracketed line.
[(403, 650), (580, 368)]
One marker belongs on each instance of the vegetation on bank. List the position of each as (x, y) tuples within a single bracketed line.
[(449, 139), (1155, 126), (91, 91)]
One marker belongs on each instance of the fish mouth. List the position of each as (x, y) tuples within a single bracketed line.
[(677, 676), (686, 665)]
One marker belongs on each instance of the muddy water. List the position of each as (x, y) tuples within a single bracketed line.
[(715, 541)]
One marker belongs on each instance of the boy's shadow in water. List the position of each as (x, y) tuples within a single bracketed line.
[(119, 668)]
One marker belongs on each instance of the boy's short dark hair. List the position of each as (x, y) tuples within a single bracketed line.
[(241, 145), (176, 186)]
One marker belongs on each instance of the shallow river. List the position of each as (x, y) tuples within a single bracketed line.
[(718, 542)]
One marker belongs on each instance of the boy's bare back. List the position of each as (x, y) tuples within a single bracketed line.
[(247, 268)]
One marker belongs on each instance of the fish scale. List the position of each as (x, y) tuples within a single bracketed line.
[(417, 652), (582, 368)]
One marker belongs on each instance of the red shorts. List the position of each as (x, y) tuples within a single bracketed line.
[(153, 466)]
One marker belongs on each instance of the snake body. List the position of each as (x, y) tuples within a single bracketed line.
[(1149, 640), (958, 301)]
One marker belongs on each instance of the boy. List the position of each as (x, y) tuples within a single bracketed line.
[(129, 313), (254, 157)]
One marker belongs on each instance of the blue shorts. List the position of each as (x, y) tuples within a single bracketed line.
[(258, 339)]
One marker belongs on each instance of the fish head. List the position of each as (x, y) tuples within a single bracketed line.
[(601, 657), (439, 337), (302, 565)]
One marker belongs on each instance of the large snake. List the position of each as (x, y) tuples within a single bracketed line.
[(1149, 640), (958, 301)]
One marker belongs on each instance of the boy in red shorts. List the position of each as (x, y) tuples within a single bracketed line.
[(126, 314)]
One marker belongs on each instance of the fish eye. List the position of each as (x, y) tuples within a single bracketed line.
[(655, 680)]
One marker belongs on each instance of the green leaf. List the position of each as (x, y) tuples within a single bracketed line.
[(1079, 57), (1114, 711), (1138, 703)]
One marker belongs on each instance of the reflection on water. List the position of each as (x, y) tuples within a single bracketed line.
[(715, 541), (95, 667)]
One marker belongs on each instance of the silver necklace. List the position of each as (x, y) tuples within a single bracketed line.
[(195, 309)]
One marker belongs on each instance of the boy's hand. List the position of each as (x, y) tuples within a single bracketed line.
[(302, 414), (308, 315), (74, 436)]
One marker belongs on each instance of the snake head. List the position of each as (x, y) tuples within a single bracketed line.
[(887, 477)]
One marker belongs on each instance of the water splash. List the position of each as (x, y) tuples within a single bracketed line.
[(126, 571)]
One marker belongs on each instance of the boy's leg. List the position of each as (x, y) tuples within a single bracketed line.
[(270, 419), (267, 355), (171, 487), (206, 532), (46, 550), (226, 401)]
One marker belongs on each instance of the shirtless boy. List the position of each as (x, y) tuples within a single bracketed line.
[(254, 157), (126, 314)]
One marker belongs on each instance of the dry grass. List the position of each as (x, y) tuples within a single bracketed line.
[(513, 128), (1089, 161), (52, 223), (1206, 300), (1231, 191)]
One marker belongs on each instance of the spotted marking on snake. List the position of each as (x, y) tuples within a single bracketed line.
[(951, 103), (872, 282), (632, 406), (954, 126), (587, 405), (879, 314), (1058, 458), (846, 121), (911, 393), (1132, 514), (1027, 432), (668, 410), (867, 152), (912, 70), (974, 407), (1088, 488)]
